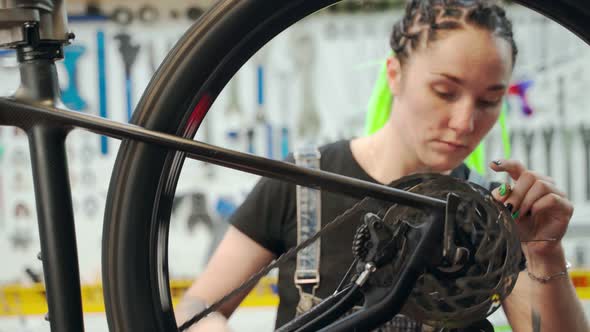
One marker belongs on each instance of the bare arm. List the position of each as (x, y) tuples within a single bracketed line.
[(541, 214), (236, 259), (553, 306)]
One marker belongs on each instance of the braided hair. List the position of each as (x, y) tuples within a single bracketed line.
[(423, 20)]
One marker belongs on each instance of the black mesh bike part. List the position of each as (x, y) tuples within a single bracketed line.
[(457, 297)]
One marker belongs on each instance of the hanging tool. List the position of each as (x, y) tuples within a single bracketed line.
[(20, 182), (206, 127), (35, 276), (285, 147), (331, 30), (199, 213), (21, 210), (122, 15), (586, 138), (21, 239), (250, 136), (93, 13), (566, 135), (232, 113), (548, 140), (520, 90), (71, 95), (129, 55), (102, 86), (233, 104), (148, 14), (543, 44), (527, 137), (261, 118), (91, 207), (309, 119), (151, 53), (193, 13), (174, 14)]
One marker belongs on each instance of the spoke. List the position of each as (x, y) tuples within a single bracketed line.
[(11, 110)]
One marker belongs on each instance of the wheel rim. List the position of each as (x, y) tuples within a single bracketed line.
[(278, 18)]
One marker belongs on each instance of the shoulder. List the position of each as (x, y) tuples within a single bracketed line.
[(336, 147), (329, 150), (333, 156), (336, 156)]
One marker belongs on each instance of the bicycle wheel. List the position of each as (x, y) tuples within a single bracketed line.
[(134, 257), (137, 296)]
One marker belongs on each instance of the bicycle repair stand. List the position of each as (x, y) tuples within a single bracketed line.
[(37, 30)]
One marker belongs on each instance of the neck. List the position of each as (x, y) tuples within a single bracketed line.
[(384, 156)]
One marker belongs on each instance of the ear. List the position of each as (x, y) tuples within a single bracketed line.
[(394, 75)]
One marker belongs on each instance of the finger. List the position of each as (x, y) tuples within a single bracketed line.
[(553, 201), (543, 177), (539, 189), (514, 168), (519, 191), (502, 192)]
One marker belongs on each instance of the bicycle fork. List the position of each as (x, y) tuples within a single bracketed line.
[(39, 86)]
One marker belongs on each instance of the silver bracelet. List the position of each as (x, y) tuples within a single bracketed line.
[(551, 239), (546, 279)]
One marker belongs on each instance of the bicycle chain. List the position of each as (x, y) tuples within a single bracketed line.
[(365, 203)]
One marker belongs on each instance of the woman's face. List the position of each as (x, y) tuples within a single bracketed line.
[(449, 95)]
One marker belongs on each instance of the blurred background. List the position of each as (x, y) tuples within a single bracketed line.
[(316, 80)]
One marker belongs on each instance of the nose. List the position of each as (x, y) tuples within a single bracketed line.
[(462, 117)]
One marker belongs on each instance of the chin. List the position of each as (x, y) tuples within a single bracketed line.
[(444, 163)]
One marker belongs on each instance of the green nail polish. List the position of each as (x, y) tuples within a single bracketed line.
[(515, 215), (503, 189)]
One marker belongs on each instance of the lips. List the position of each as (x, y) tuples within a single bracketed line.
[(458, 145), (450, 146)]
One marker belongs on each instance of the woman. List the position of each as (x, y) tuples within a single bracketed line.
[(453, 64)]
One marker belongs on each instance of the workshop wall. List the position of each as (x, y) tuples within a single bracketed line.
[(317, 78)]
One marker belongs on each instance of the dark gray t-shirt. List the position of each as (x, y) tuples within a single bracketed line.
[(268, 216)]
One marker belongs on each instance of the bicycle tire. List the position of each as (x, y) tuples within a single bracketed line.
[(134, 255), (136, 292)]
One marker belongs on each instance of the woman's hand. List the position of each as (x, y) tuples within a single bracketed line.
[(540, 210), (212, 323), (189, 306)]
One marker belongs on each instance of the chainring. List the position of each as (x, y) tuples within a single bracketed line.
[(485, 228)]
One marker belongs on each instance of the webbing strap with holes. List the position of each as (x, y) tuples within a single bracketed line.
[(307, 270)]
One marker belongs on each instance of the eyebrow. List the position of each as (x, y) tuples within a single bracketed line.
[(457, 80)]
